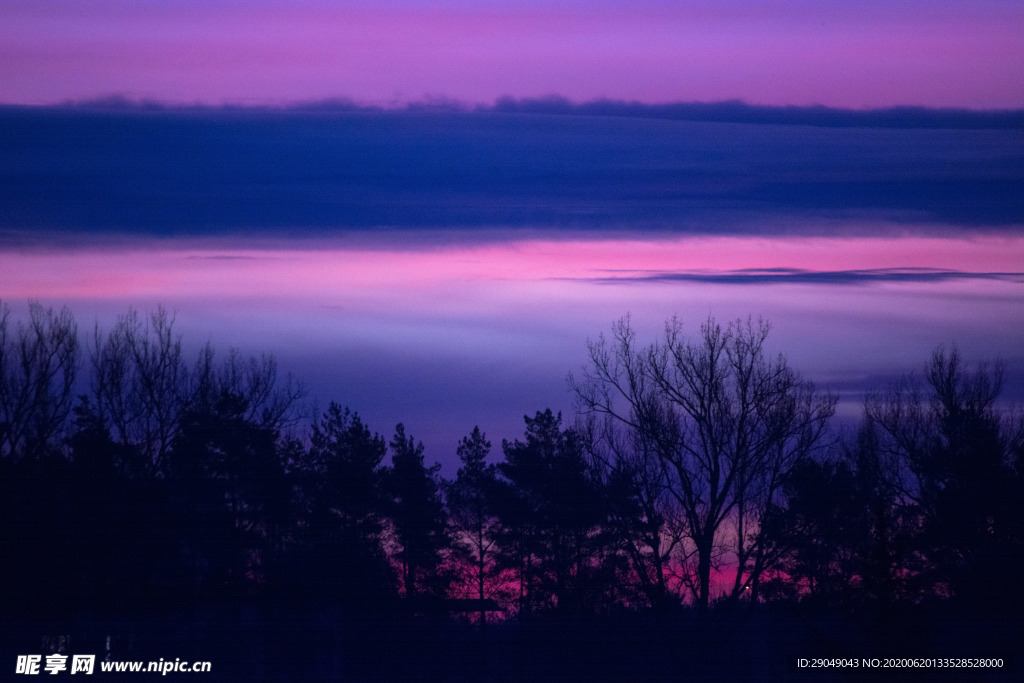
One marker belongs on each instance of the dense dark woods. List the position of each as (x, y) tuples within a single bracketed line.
[(700, 514)]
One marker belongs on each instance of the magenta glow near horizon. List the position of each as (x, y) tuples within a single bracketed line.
[(443, 338), (940, 53)]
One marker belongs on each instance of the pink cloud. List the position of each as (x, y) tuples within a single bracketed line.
[(296, 271), (382, 327)]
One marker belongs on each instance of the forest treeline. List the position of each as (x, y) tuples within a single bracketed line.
[(700, 470), (147, 495)]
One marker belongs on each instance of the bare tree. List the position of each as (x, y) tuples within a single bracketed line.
[(38, 367), (270, 403), (142, 385), (926, 428), (725, 422), (953, 455), (645, 521)]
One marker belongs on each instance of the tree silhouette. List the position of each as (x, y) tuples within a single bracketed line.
[(924, 502), (142, 386), (725, 420), (550, 511), (957, 460), (38, 367), (644, 522), (416, 510), (470, 499), (338, 551), (823, 532), (177, 500), (127, 530), (230, 482)]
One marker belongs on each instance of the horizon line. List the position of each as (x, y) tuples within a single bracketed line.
[(717, 111)]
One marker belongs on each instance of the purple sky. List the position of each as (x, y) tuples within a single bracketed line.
[(381, 276), (443, 339), (871, 53)]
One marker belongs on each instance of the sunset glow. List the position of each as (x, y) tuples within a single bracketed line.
[(844, 309), (180, 269), (512, 339)]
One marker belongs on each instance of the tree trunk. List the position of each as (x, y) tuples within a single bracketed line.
[(480, 575), (704, 547)]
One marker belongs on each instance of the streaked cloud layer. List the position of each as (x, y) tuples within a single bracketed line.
[(770, 276), (208, 171), (865, 54)]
